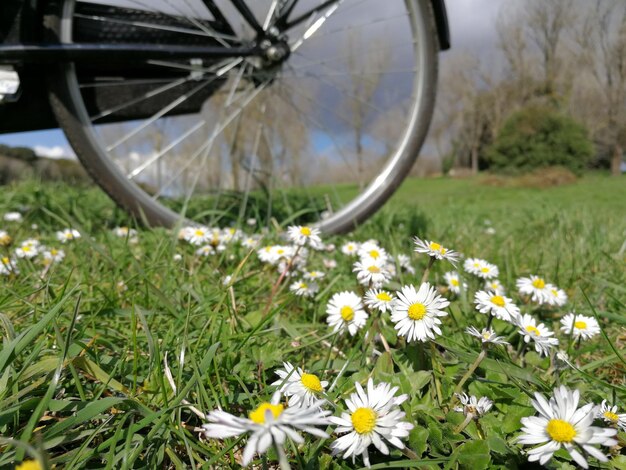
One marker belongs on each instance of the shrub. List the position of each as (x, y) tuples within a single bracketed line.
[(538, 137)]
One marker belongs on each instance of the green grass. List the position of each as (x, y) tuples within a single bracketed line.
[(82, 381)]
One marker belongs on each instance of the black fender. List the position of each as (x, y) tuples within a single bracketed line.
[(441, 21)]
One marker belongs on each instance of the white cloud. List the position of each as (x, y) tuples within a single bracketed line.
[(56, 152)]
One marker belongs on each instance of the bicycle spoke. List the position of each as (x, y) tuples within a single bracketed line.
[(145, 96), (181, 99), (118, 81), (217, 130), (311, 30)]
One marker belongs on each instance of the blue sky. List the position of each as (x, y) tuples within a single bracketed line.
[(472, 28)]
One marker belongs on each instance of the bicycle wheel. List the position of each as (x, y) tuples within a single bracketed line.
[(332, 117)]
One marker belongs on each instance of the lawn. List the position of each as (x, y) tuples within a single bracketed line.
[(83, 376)]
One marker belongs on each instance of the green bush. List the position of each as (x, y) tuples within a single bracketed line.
[(538, 137)]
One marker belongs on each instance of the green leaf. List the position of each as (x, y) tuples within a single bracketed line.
[(474, 455), (418, 440), (498, 445), (512, 417)]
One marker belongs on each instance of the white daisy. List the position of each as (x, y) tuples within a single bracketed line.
[(371, 250), (454, 282), (497, 305), (535, 287), (609, 415), (472, 265), (539, 333), (231, 234), (435, 250), (67, 234), (5, 238), (562, 424), (313, 275), (488, 271), (249, 242), (486, 335), (197, 235), (371, 272), (124, 232), (302, 388), (206, 250), (372, 418), (473, 406), (345, 312), (495, 286), (555, 296), (379, 299), (304, 235), (269, 424), (8, 266), (13, 217), (27, 250), (304, 289), (580, 326), (415, 312), (350, 248), (53, 256)]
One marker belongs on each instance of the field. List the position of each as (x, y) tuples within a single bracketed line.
[(84, 375)]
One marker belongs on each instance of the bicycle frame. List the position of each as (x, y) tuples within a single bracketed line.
[(28, 52), (26, 43)]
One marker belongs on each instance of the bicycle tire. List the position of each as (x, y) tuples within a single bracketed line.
[(70, 109)]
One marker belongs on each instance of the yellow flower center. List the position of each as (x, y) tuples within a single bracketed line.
[(554, 292), (374, 269), (258, 415), (383, 296), (498, 300), (560, 431), (5, 260), (437, 247), (29, 465), (280, 252), (54, 252), (487, 335), (581, 325), (199, 233), (539, 283), (364, 420), (454, 282), (374, 254), (534, 330), (303, 285), (347, 313), (417, 311), (611, 416), (306, 231), (484, 269), (26, 248), (311, 382)]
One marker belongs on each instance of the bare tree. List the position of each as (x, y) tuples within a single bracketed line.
[(602, 41), (546, 21), (362, 87)]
